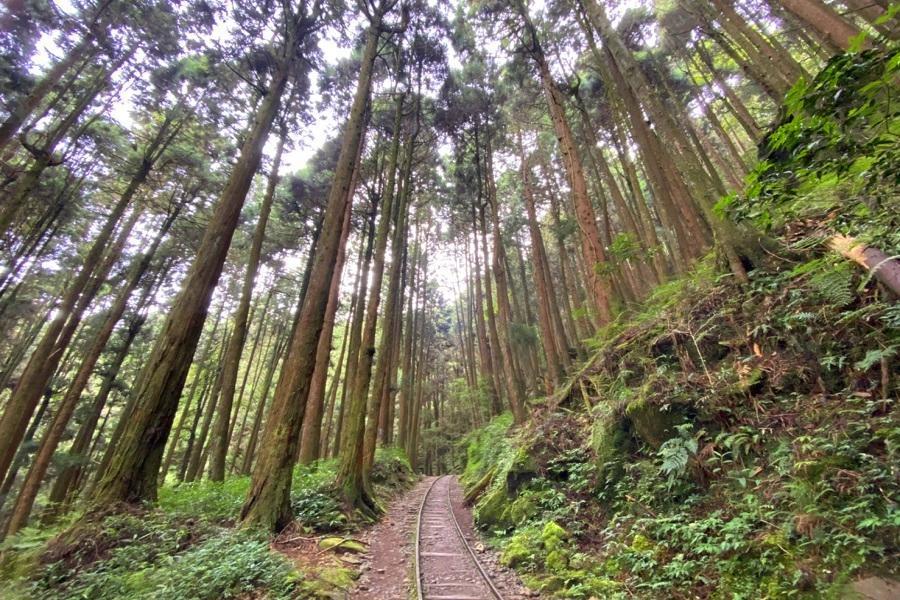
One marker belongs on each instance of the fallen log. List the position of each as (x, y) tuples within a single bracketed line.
[(884, 268)]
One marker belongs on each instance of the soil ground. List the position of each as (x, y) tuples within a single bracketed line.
[(389, 564)]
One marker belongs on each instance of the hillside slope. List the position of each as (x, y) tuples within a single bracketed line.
[(727, 441)]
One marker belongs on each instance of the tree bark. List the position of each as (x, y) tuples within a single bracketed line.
[(514, 383), (399, 216), (591, 248), (823, 19), (311, 432), (232, 362), (538, 253), (268, 501), (132, 475)]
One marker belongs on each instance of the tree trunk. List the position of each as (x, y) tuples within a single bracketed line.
[(232, 362), (20, 113), (591, 247), (514, 383), (198, 450), (21, 455), (400, 218), (823, 19), (311, 432), (281, 342), (68, 480), (268, 500), (554, 360), (132, 475), (67, 405), (45, 359)]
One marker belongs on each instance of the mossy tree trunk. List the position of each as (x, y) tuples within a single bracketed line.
[(133, 472), (230, 367), (268, 501), (350, 477)]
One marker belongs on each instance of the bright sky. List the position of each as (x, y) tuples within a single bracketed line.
[(443, 264)]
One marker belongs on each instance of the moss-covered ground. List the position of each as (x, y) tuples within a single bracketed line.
[(730, 441)]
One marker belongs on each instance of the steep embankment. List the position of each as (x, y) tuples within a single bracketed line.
[(726, 441)]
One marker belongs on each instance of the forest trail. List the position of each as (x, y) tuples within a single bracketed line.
[(390, 569), (269, 271)]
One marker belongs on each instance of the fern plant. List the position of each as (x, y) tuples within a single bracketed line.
[(675, 454)]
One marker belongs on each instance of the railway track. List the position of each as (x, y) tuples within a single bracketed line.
[(446, 565)]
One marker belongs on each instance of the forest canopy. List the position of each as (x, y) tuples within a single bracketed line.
[(277, 257)]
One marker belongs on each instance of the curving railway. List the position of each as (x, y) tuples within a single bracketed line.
[(446, 566)]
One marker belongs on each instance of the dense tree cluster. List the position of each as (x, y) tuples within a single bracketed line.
[(504, 177)]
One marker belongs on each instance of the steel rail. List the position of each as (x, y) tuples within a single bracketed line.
[(487, 579), (420, 584), (419, 593)]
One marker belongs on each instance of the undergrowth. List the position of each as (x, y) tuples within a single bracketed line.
[(187, 546), (725, 441)]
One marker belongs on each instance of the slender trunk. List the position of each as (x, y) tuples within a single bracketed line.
[(409, 341), (498, 371), (311, 431), (332, 397), (45, 358), (268, 500), (747, 121), (23, 110), (554, 358), (377, 408), (132, 476), (254, 366), (198, 451), (277, 351), (67, 405), (200, 379), (232, 363), (22, 455), (514, 383), (591, 247)]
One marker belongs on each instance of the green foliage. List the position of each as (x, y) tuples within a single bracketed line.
[(181, 549), (312, 497), (675, 454), (228, 564), (484, 447), (833, 156), (391, 467), (777, 477), (215, 501), (96, 557)]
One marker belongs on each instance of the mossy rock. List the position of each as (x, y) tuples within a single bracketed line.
[(522, 549), (492, 509), (611, 439), (608, 430), (340, 544), (557, 561), (553, 536), (523, 469), (522, 509), (652, 424)]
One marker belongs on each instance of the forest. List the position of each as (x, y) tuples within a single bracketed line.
[(389, 299)]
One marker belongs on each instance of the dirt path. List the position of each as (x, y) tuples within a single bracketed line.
[(387, 570), (389, 564)]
